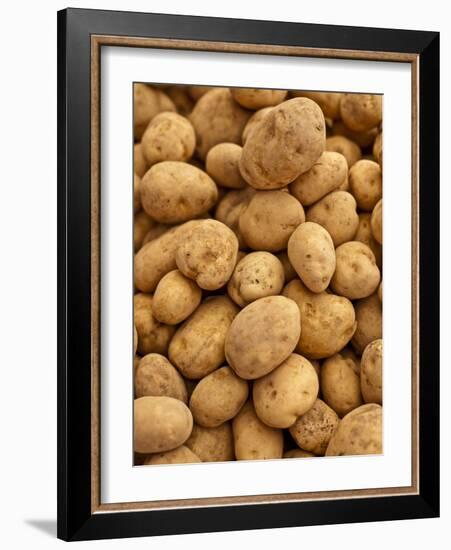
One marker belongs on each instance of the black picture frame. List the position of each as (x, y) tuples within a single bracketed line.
[(76, 521)]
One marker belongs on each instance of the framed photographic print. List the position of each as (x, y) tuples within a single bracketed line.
[(248, 274)]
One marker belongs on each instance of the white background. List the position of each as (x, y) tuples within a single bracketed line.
[(28, 290)]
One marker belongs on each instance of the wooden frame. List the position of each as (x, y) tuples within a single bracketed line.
[(81, 34)]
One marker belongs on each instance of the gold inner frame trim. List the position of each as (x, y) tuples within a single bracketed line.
[(97, 41)]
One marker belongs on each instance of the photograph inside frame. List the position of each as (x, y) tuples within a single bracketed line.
[(257, 274)]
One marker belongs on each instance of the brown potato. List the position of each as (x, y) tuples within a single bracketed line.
[(141, 226), (169, 136), (218, 397), (153, 337), (173, 192), (284, 144), (253, 439), (139, 162), (135, 339), (254, 121), (136, 193), (340, 384), (356, 274), (363, 139), (312, 254), (337, 213), (222, 164), (371, 372), (155, 375), (257, 275), (148, 102), (262, 336), (359, 433), (286, 393), (155, 231), (327, 174), (196, 92), (197, 347), (369, 322), (365, 236), (212, 444), (257, 98), (180, 455), (379, 292), (329, 102), (361, 112), (376, 222), (365, 182), (312, 431), (181, 99), (175, 298), (328, 321), (217, 118), (288, 269), (269, 220), (349, 149), (297, 453), (207, 254), (230, 207), (377, 149)]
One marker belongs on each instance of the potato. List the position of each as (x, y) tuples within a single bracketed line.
[(169, 136), (222, 164), (376, 222), (180, 455), (196, 92), (284, 144), (155, 231), (363, 139), (254, 121), (230, 208), (212, 444), (257, 275), (217, 118), (175, 298), (288, 269), (356, 274), (218, 397), (337, 213), (207, 254), (173, 192), (155, 375), (377, 149), (141, 226), (135, 339), (312, 431), (257, 98), (136, 193), (254, 440), (365, 236), (140, 165), (359, 433), (371, 372), (328, 321), (269, 220), (312, 254), (365, 182), (262, 336), (197, 347), (153, 337), (361, 112), (327, 174), (379, 292), (181, 99), (160, 424), (369, 322), (148, 102), (340, 384), (286, 393), (329, 102), (297, 453), (349, 149)]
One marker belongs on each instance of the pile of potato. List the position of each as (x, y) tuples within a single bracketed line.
[(258, 258)]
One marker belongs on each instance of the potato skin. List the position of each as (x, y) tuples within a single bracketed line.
[(365, 182), (212, 444), (337, 213), (180, 455), (289, 271), (160, 424), (312, 431), (253, 439), (377, 149), (286, 393), (269, 220), (340, 384), (328, 321), (218, 397), (141, 226), (153, 337), (363, 139), (174, 192), (139, 162), (217, 118), (327, 174), (155, 376), (369, 322), (262, 336), (361, 112), (253, 122), (371, 372), (311, 252), (356, 274), (297, 453), (359, 433), (169, 136), (222, 164), (257, 98), (365, 236), (329, 102), (175, 298), (136, 193), (197, 348), (284, 144), (229, 209), (257, 275), (148, 102), (376, 222), (207, 254), (349, 149)]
